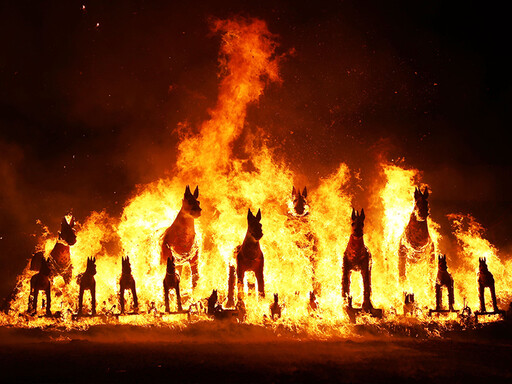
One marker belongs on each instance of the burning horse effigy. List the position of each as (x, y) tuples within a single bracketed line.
[(249, 256), (180, 238), (416, 243), (87, 282)]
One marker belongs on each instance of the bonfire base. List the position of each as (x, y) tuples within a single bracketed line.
[(442, 311), (479, 313), (354, 312)]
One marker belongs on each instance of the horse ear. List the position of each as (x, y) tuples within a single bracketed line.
[(294, 192), (196, 192), (258, 215), (354, 214), (417, 193), (249, 214), (362, 214), (425, 192), (187, 191), (305, 192)]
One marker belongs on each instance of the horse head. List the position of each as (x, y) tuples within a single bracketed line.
[(299, 201), (190, 203), (357, 222), (253, 225), (91, 266), (126, 267), (67, 233), (421, 208), (441, 259), (482, 264)]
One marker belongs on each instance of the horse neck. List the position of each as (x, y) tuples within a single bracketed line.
[(356, 242), (416, 224), (250, 242), (183, 220)]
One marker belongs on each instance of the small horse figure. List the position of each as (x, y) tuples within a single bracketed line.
[(127, 282), (60, 256), (486, 280), (219, 313), (275, 308), (305, 238), (300, 204), (357, 257), (444, 279), (249, 256), (171, 281), (409, 305), (313, 302), (180, 237), (415, 243), (40, 282), (87, 282)]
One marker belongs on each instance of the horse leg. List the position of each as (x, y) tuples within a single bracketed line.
[(493, 295), (135, 299), (93, 298), (31, 299), (231, 286), (194, 271), (48, 301), (178, 296), (261, 281), (36, 294), (166, 297), (80, 300), (451, 295), (481, 296), (121, 299), (439, 297), (345, 280), (366, 271), (240, 273)]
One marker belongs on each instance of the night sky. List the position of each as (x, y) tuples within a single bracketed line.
[(90, 100)]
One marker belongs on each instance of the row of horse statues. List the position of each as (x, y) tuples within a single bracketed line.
[(177, 248)]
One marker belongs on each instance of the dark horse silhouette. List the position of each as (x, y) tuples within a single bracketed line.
[(415, 243), (298, 222), (179, 238), (249, 256), (127, 282), (486, 280), (40, 282), (60, 256), (357, 257), (171, 281), (275, 308), (87, 282), (444, 279)]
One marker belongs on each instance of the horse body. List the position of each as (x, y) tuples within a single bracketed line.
[(298, 222), (486, 280), (60, 256), (416, 243), (171, 281), (357, 257), (444, 279), (87, 282), (127, 282), (249, 256), (40, 282), (180, 237)]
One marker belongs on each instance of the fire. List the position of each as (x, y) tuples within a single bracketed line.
[(301, 254)]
